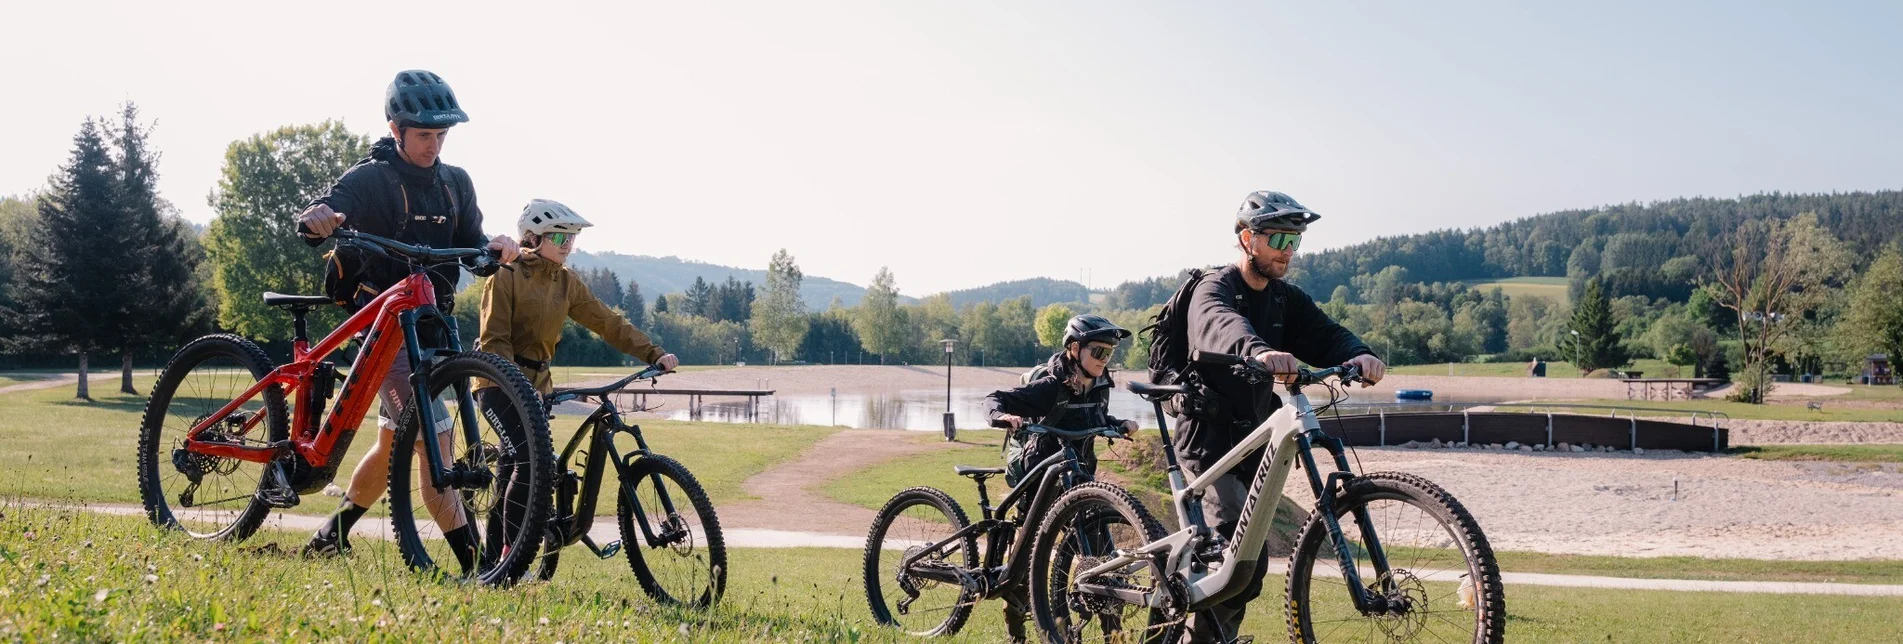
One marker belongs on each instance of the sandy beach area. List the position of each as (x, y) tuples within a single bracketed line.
[(1621, 504)]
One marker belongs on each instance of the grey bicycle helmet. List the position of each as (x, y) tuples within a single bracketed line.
[(1269, 210), (418, 98), (1093, 328)]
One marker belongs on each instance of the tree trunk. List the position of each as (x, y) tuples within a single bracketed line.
[(84, 394), (125, 375)]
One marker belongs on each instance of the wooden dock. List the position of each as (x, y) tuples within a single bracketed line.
[(695, 398)]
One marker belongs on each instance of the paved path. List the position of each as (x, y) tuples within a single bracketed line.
[(58, 380), (605, 531)]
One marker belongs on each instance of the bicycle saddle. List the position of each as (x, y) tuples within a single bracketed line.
[(279, 299), (979, 473)]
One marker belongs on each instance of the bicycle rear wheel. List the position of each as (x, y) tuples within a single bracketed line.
[(1441, 577), (208, 497), (673, 541), (508, 512), (917, 598), (1084, 529)]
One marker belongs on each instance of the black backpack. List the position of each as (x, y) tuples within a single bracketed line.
[(1169, 338)]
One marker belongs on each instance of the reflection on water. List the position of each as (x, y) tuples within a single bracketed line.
[(922, 410)]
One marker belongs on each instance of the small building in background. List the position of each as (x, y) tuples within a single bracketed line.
[(1877, 370)]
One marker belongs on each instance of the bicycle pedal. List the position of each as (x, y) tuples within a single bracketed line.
[(276, 491), (610, 550)]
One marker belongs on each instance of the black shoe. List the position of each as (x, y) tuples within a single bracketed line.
[(326, 543)]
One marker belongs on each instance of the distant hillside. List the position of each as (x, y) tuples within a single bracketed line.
[(1633, 246), (658, 275), (1043, 290)]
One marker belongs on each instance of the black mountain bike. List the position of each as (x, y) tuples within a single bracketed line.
[(677, 552), (923, 567)]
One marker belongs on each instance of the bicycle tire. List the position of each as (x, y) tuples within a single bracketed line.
[(1481, 579), (155, 432), (960, 609), (690, 561), (1090, 503), (523, 522)]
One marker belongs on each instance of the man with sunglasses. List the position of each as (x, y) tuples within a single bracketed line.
[(1247, 309), (1070, 391)]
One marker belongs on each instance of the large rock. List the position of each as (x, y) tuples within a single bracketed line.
[(1513, 444)]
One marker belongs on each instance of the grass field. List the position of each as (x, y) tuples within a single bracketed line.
[(71, 450), (88, 577), (1875, 453), (871, 487), (1553, 288), (1648, 368)]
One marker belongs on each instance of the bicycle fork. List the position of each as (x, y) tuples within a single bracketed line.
[(1365, 601)]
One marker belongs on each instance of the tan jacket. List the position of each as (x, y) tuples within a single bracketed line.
[(523, 311)]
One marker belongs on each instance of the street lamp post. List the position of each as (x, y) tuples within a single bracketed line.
[(1576, 364), (951, 430)]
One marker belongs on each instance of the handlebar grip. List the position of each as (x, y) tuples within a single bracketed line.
[(1000, 424), (1214, 358)]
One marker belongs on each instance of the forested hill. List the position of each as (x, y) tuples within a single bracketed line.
[(1043, 290), (1632, 246), (662, 275)]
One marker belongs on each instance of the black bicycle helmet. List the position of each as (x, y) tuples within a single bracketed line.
[(417, 98), (1089, 327), (1269, 210)]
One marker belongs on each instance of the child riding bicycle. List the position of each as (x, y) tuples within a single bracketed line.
[(1070, 391)]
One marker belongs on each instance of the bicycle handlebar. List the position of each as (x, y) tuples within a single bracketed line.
[(1066, 434), (560, 396), (485, 261), (1303, 377)]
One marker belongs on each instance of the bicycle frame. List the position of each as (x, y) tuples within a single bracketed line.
[(998, 564), (598, 432), (391, 319), (1287, 432)]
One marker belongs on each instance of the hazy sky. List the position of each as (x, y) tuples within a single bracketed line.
[(963, 143)]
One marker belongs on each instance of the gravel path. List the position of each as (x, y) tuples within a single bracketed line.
[(1623, 505)]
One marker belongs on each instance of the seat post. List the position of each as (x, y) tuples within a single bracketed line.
[(301, 329), (984, 502)]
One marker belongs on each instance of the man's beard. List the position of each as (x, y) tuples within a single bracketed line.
[(1267, 269)]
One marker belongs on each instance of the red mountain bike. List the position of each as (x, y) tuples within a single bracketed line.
[(227, 437)]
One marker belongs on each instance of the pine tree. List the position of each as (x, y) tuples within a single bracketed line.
[(1593, 338), (660, 304), (76, 271), (171, 303), (635, 305)]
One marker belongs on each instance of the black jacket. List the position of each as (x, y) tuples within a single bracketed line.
[(1224, 315), (387, 196), (1048, 401)]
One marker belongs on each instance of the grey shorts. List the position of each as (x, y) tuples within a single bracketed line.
[(395, 394)]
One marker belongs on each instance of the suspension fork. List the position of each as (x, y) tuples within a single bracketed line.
[(420, 399), (670, 534), (1325, 504)]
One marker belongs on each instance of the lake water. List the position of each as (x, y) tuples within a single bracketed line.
[(922, 410)]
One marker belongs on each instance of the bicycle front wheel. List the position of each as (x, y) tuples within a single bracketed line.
[(1442, 584), (670, 533), (208, 497), (503, 486), (1085, 529)]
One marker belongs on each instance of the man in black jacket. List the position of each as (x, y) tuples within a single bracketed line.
[(404, 192), (1246, 309)]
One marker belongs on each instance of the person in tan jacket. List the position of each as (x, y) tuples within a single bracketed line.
[(523, 310)]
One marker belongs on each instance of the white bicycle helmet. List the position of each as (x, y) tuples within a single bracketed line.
[(544, 216)]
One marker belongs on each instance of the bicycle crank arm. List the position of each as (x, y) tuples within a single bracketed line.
[(602, 552)]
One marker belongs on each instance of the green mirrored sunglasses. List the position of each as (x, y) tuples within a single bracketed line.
[(1285, 241)]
